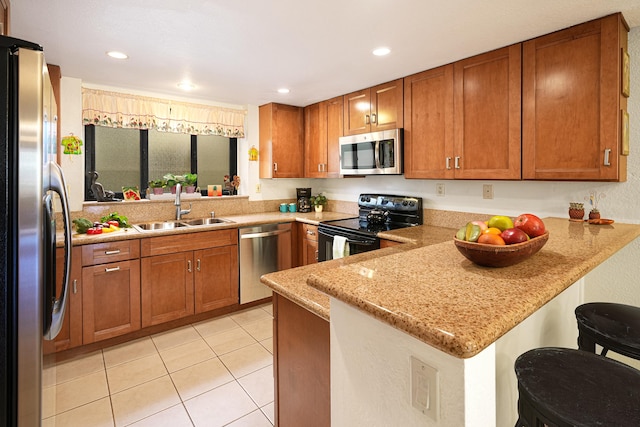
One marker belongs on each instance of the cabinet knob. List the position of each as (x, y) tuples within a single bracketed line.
[(189, 266), (275, 167), (456, 163), (367, 119), (607, 155), (311, 233), (109, 270), (374, 117), (114, 252), (316, 255), (448, 163), (75, 286), (198, 264)]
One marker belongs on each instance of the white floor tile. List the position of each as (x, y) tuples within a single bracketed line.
[(230, 340), (220, 406), (200, 378), (142, 401), (94, 414), (136, 372), (260, 329), (250, 315), (269, 411), (268, 344), (175, 337), (215, 326), (247, 360), (128, 351), (259, 385), (81, 391), (254, 419), (185, 355), (176, 416), (79, 366)]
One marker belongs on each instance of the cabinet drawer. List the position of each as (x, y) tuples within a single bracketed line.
[(188, 242), (310, 232), (101, 253)]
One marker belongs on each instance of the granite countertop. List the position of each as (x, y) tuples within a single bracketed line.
[(238, 221), (430, 291)]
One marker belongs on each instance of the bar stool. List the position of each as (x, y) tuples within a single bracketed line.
[(568, 388), (615, 327)]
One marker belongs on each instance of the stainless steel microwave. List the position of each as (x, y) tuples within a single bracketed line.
[(372, 153)]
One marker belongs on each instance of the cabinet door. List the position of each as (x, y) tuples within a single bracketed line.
[(309, 244), (387, 106), (71, 333), (572, 103), (357, 112), (428, 131), (334, 130), (315, 147), (110, 300), (281, 141), (167, 287), (487, 143), (301, 366), (216, 278)]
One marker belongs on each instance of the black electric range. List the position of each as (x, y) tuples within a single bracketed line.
[(376, 213)]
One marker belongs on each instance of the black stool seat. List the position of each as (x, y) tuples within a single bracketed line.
[(566, 387), (615, 327)]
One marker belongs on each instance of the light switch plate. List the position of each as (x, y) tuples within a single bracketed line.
[(440, 189), (425, 388)]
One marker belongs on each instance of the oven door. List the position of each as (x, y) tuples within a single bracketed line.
[(357, 243)]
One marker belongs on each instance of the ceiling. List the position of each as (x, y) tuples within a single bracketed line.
[(241, 51)]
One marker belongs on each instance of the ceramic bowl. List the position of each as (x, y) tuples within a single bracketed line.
[(500, 256)]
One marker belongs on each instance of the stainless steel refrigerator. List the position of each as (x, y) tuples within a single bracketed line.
[(31, 189)]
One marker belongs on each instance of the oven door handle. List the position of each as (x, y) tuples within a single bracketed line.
[(330, 235)]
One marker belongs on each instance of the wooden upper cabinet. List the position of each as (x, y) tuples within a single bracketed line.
[(374, 109), (4, 17), (322, 128), (487, 125), (572, 103), (428, 131), (281, 141)]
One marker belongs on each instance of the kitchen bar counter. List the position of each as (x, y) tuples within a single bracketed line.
[(434, 294)]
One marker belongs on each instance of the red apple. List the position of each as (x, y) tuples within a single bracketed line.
[(530, 224), (514, 235)]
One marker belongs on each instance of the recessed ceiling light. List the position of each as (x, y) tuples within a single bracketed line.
[(283, 90), (186, 86), (381, 51), (117, 55)]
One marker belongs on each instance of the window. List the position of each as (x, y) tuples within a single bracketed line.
[(129, 157)]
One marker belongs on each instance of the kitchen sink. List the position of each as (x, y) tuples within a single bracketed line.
[(155, 226), (171, 225), (205, 221)]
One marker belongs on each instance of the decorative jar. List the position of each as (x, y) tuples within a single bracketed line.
[(576, 211)]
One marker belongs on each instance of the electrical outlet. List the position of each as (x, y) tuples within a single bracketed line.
[(258, 188), (425, 388), (487, 191), (440, 189)]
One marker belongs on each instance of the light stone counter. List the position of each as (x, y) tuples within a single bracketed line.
[(431, 292)]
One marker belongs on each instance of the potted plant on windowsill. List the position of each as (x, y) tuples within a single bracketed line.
[(190, 180), (157, 186), (318, 201), (173, 180)]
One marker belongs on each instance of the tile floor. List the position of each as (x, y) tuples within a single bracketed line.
[(214, 373)]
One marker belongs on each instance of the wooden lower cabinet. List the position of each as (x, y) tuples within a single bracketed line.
[(302, 369), (309, 244), (384, 243), (110, 300), (70, 335), (190, 274)]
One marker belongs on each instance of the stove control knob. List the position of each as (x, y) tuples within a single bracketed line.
[(412, 203), (405, 203)]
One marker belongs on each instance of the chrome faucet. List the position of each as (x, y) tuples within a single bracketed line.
[(179, 210)]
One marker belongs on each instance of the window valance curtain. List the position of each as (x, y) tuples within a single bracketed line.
[(114, 109)]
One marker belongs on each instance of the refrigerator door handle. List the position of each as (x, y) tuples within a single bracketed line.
[(59, 186)]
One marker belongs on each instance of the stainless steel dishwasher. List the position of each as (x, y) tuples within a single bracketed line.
[(263, 249)]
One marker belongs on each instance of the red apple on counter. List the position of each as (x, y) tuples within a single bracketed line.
[(514, 235), (530, 224)]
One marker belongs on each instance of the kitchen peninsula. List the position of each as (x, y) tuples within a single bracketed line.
[(468, 322)]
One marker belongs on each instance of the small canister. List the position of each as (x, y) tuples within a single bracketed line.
[(283, 207), (292, 207)]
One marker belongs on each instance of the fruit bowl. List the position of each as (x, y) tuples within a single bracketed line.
[(500, 256)]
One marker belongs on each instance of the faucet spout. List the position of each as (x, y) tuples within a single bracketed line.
[(178, 203)]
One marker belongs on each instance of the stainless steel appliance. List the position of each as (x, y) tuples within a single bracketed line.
[(263, 249), (377, 212), (31, 182), (372, 153)]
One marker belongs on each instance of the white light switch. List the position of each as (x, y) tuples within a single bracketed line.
[(425, 388)]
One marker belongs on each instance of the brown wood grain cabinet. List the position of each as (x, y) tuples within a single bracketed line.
[(463, 121), (281, 141), (70, 335), (189, 274), (110, 290), (374, 109), (4, 17), (572, 103), (322, 128), (308, 243), (302, 367)]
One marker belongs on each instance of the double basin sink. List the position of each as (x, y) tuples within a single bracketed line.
[(172, 225)]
